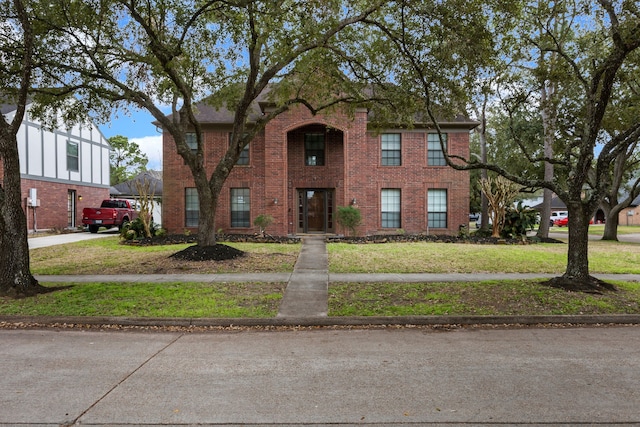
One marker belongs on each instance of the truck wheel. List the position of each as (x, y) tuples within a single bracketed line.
[(124, 224), (93, 228)]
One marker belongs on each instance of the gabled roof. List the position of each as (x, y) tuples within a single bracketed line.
[(7, 108), (128, 188), (556, 203), (208, 114)]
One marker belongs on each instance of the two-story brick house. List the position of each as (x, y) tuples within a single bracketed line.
[(61, 170), (302, 167)]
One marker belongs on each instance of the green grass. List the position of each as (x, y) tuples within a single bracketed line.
[(478, 298), (237, 300), (427, 257), (251, 300), (598, 230), (108, 256)]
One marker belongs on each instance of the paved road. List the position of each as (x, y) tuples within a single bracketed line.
[(321, 377)]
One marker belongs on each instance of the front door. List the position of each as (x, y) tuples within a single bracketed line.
[(315, 210), (71, 208)]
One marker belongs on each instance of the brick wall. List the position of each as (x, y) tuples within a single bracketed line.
[(352, 170), (629, 216), (53, 197)]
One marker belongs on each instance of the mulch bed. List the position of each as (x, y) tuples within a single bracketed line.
[(217, 252), (590, 285)]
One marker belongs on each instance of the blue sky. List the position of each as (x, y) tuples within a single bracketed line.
[(138, 127)]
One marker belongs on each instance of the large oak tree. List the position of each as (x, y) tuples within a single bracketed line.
[(141, 54), (18, 43), (604, 43)]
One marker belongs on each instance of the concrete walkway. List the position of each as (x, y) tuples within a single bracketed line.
[(307, 291)]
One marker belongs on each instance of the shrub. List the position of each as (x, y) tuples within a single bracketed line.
[(263, 221), (136, 229), (349, 218), (517, 221)]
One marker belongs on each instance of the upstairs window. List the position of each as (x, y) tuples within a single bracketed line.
[(73, 163), (435, 155), (192, 141), (243, 160), (391, 152), (314, 149)]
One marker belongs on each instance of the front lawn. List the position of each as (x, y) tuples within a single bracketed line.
[(426, 257), (186, 300), (526, 297), (252, 300)]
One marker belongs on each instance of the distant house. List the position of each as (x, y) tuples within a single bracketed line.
[(302, 167), (152, 181), (62, 171), (631, 214), (558, 205)]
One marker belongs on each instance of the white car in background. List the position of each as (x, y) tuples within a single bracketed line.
[(555, 216)]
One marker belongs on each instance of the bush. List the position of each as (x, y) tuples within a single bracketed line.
[(518, 220), (349, 218), (263, 221), (135, 230)]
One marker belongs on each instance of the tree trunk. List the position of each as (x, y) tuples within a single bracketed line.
[(611, 227), (16, 279), (207, 224), (545, 212), (577, 254), (208, 199), (484, 202), (548, 114)]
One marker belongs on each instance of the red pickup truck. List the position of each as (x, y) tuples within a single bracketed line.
[(111, 213)]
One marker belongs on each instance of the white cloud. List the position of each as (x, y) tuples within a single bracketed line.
[(152, 147)]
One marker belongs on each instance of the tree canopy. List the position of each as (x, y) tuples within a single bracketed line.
[(111, 53), (595, 49), (126, 159)]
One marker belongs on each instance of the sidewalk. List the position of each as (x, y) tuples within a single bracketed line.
[(307, 292)]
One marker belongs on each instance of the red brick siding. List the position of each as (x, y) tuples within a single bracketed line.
[(53, 196), (352, 168), (629, 216)]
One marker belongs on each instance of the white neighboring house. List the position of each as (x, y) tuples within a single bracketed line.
[(62, 171)]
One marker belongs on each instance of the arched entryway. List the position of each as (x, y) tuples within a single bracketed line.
[(315, 160)]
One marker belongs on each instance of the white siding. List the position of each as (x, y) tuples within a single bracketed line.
[(22, 148), (43, 153), (49, 147), (106, 167), (61, 156), (96, 165), (34, 151), (85, 161)]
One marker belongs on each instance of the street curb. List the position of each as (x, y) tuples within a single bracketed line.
[(79, 321)]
